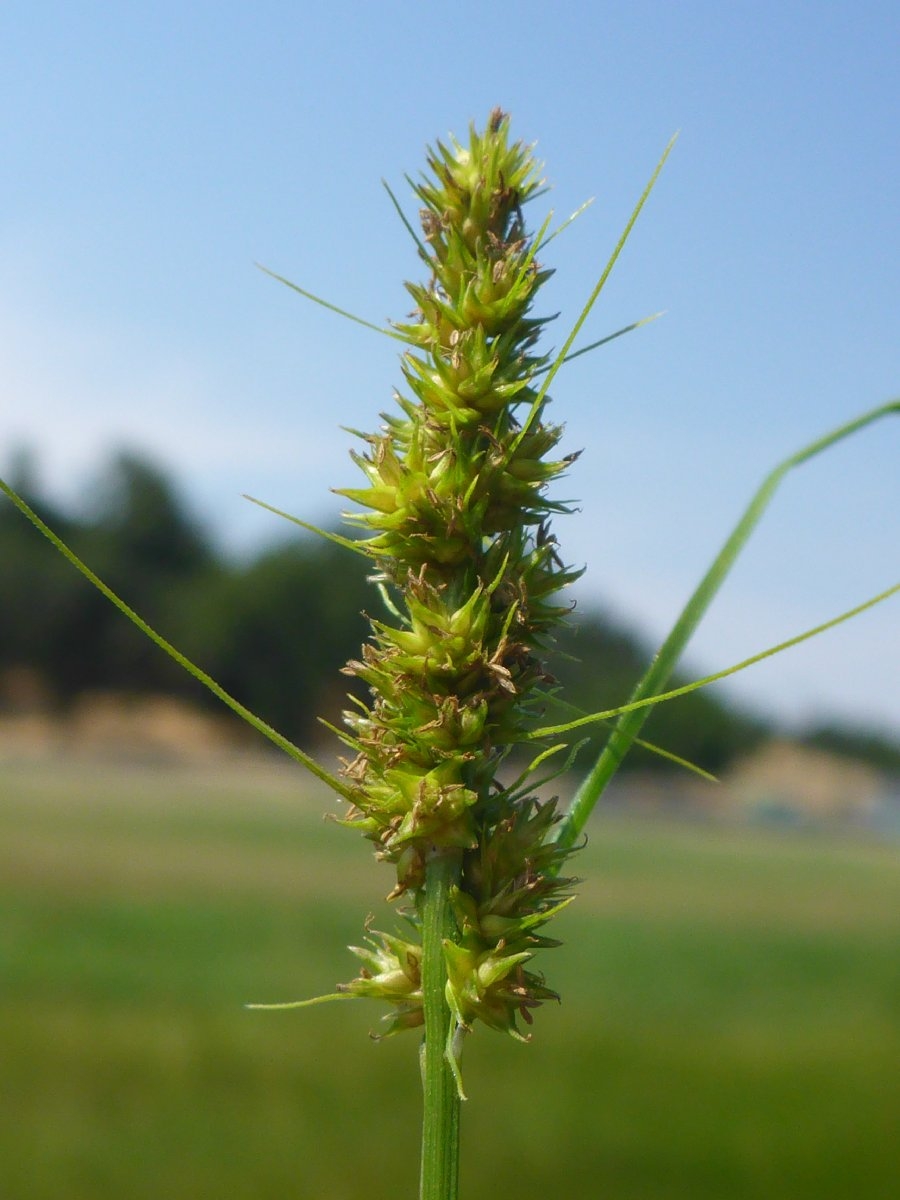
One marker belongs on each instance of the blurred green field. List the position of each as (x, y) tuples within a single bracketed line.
[(730, 1024)]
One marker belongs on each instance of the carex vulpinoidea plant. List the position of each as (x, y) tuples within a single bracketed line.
[(457, 518), (454, 517)]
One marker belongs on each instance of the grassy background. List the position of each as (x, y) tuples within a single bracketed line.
[(730, 1024)]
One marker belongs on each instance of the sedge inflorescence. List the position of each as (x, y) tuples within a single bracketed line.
[(455, 514)]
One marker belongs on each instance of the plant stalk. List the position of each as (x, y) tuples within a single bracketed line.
[(440, 1126)]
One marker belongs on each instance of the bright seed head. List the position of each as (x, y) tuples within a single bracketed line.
[(456, 514)]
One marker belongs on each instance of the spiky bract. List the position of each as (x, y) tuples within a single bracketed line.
[(456, 518)]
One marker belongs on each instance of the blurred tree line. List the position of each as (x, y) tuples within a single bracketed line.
[(274, 631)]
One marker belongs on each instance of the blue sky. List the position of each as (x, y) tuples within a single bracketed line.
[(153, 153)]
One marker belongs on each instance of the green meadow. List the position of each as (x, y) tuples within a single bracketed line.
[(730, 1021)]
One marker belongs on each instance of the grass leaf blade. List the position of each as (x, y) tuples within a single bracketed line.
[(405, 220), (200, 675), (342, 312), (346, 543), (565, 224), (610, 337), (598, 288), (648, 689)]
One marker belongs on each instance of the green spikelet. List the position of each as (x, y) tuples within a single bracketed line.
[(456, 516)]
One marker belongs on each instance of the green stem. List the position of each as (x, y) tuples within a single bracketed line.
[(440, 1126)]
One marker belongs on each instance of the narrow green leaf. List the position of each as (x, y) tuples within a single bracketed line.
[(342, 312), (649, 688), (610, 337), (526, 775), (208, 682), (347, 543), (533, 249), (651, 747), (598, 288), (687, 688), (305, 1003), (568, 221), (676, 760), (403, 217)]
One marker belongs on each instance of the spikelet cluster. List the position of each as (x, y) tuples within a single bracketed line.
[(455, 515)]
